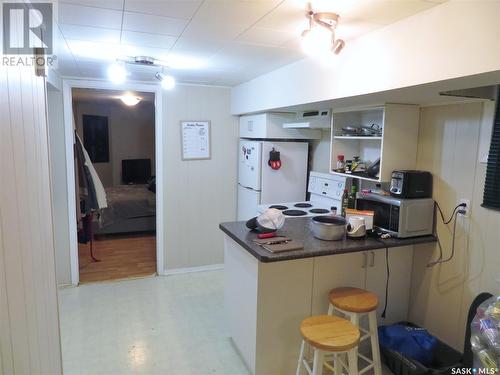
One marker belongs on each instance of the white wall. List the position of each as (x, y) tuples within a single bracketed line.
[(452, 141), (131, 134), (59, 186), (198, 194), (320, 154), (29, 321), (454, 39)]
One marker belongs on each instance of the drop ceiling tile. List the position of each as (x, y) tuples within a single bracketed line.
[(107, 4), (94, 51), (153, 24), (266, 37), (148, 39), (288, 16), (202, 47), (169, 8), (214, 30), (97, 34), (242, 12), (353, 29), (88, 16)]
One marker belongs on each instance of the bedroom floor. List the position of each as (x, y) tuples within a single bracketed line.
[(121, 257)]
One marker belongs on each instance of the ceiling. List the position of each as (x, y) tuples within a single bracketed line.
[(220, 42)]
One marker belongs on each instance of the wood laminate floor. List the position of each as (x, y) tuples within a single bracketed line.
[(121, 257)]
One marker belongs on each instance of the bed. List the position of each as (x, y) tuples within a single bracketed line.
[(131, 208)]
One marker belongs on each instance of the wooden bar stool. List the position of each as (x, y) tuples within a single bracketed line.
[(355, 303), (328, 334)]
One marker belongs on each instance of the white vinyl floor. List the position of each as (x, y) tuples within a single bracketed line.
[(156, 326)]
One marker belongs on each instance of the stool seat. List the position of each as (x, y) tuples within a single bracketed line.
[(353, 299), (330, 333)]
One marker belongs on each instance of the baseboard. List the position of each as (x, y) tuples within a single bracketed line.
[(177, 271)]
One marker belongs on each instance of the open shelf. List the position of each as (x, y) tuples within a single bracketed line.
[(357, 138), (359, 175)]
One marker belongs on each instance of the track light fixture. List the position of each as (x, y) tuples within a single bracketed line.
[(167, 81), (117, 72), (319, 38)]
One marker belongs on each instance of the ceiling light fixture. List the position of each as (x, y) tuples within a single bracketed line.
[(129, 99), (117, 73), (319, 38), (167, 81)]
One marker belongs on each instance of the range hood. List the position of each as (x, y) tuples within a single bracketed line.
[(484, 92), (317, 119)]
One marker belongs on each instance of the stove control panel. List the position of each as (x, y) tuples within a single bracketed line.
[(331, 187)]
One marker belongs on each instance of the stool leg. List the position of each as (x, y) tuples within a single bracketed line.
[(330, 309), (318, 362), (336, 365), (352, 355), (372, 321), (301, 358)]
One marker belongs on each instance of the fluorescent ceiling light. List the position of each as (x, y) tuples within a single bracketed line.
[(167, 81), (129, 99), (117, 73)]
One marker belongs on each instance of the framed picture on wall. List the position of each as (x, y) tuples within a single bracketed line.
[(195, 140), (96, 138)]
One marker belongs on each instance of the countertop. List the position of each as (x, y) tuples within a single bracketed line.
[(298, 229)]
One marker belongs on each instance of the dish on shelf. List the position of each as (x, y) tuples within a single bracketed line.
[(374, 130)]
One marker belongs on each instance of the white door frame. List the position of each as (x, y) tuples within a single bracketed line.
[(68, 85)]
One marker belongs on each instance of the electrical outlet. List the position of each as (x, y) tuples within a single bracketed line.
[(467, 208)]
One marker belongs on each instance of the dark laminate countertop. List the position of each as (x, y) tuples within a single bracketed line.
[(298, 229)]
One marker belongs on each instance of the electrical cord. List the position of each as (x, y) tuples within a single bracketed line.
[(446, 222), (454, 218), (386, 281)]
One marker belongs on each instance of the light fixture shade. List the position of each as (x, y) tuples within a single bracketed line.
[(338, 46), (117, 73), (316, 41), (167, 81), (130, 100)]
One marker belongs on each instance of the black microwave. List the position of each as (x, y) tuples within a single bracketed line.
[(400, 218)]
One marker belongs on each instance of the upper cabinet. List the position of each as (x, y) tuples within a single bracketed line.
[(271, 126), (388, 133)]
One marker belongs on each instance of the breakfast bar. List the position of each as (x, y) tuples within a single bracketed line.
[(268, 294)]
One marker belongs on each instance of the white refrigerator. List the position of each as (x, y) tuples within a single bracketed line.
[(259, 183)]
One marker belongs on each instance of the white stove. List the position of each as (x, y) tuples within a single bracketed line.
[(326, 193)]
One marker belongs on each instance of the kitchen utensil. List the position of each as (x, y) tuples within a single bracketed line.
[(356, 227), (284, 246), (350, 130), (374, 168), (266, 235), (329, 228), (271, 241)]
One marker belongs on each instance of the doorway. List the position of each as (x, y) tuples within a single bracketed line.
[(122, 144)]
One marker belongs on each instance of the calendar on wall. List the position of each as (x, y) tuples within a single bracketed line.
[(195, 138)]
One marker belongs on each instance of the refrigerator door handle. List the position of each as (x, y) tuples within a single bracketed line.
[(249, 188)]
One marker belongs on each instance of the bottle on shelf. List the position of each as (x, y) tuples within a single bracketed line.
[(340, 163), (345, 201), (351, 200)]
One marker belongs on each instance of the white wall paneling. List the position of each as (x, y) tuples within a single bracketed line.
[(29, 321), (451, 140), (199, 194)]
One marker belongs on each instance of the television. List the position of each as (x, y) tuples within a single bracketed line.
[(136, 171)]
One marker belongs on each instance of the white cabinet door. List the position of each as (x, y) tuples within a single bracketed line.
[(249, 164), (400, 267), (335, 271)]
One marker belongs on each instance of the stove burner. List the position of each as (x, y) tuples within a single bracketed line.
[(303, 205), (294, 213), (279, 207), (319, 211)]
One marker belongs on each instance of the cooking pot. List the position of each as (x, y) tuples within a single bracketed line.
[(329, 228)]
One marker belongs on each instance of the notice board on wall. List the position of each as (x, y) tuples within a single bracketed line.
[(195, 140)]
